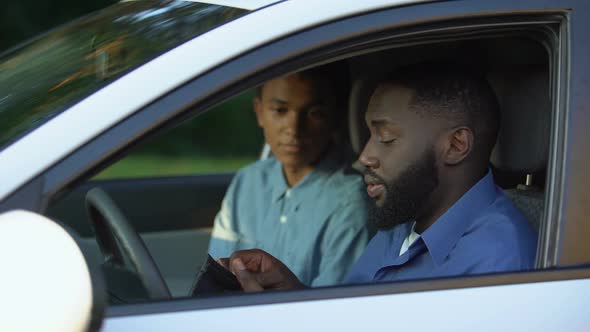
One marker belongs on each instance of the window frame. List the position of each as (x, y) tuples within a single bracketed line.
[(314, 44)]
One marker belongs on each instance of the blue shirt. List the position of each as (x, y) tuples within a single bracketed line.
[(482, 232), (318, 228)]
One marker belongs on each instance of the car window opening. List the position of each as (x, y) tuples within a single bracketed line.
[(516, 68)]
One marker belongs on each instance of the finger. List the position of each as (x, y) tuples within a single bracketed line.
[(274, 278), (246, 279), (251, 258), (270, 279)]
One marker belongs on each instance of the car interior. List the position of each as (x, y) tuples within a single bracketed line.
[(173, 215)]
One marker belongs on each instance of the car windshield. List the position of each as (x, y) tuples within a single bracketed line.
[(48, 74)]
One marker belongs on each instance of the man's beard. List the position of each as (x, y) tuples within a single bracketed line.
[(406, 194)]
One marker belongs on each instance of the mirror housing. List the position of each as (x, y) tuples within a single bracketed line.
[(46, 284)]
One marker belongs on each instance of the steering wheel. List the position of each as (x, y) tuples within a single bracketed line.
[(120, 243)]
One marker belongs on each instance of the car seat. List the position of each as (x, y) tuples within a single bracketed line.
[(523, 140)]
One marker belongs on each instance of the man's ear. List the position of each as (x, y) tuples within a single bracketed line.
[(258, 110), (458, 145)]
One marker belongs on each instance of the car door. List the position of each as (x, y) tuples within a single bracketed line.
[(482, 302)]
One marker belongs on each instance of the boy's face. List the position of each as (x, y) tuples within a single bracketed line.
[(296, 114)]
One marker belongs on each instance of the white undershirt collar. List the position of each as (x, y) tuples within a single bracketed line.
[(411, 238)]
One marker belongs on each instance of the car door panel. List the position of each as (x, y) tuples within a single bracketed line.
[(490, 308), (178, 254), (151, 204), (173, 215)]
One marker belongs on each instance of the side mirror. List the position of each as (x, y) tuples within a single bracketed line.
[(45, 282)]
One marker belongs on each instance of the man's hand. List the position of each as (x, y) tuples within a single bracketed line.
[(257, 270)]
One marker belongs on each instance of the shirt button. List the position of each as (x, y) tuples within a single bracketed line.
[(288, 193), (283, 219)]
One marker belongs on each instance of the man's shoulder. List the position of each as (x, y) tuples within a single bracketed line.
[(501, 233), (504, 216), (345, 184), (499, 227), (345, 191)]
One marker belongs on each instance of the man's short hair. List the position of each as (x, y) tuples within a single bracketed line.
[(460, 95), (335, 74)]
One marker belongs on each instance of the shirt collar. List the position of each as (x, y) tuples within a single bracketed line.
[(277, 180), (327, 165), (442, 236)]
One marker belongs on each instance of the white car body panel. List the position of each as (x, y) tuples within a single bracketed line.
[(521, 307), (46, 284), (72, 128)]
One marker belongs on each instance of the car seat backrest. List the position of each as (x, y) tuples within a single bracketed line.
[(360, 93), (523, 140)]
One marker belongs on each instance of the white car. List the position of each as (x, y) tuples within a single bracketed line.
[(90, 94)]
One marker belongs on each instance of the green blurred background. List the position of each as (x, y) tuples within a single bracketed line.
[(24, 19), (223, 139)]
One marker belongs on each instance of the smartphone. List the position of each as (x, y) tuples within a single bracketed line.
[(214, 278)]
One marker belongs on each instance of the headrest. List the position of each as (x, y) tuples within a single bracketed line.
[(360, 93), (523, 140)]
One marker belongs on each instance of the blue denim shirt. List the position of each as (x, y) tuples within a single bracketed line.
[(482, 232), (318, 228)]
